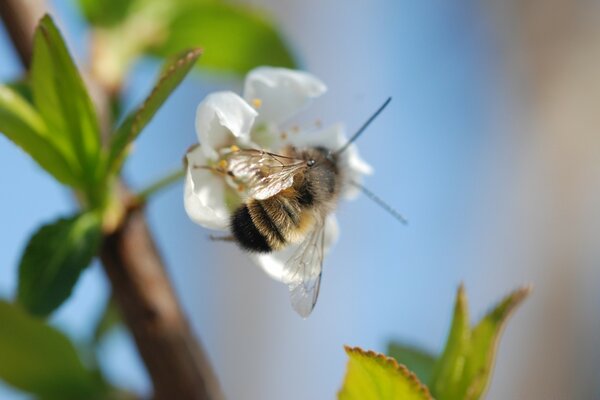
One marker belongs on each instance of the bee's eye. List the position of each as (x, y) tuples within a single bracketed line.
[(310, 163)]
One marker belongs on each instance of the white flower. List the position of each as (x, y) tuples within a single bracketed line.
[(223, 119)]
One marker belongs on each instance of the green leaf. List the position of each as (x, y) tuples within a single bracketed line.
[(61, 98), (133, 124), (233, 38), (53, 260), (464, 369), (484, 343), (23, 88), (372, 376), (418, 361), (105, 12), (22, 124), (39, 359), (448, 368)]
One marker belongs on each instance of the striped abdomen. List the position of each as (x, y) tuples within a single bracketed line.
[(271, 224)]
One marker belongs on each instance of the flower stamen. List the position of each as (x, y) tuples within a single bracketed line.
[(256, 102)]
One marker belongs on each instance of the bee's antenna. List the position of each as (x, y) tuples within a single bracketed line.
[(365, 125), (380, 203)]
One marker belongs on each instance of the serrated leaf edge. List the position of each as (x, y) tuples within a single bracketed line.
[(391, 362)]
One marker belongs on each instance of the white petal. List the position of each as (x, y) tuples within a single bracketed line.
[(273, 263), (279, 93), (334, 138), (221, 119), (357, 168), (204, 194)]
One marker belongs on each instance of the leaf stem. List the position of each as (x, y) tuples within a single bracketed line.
[(160, 184)]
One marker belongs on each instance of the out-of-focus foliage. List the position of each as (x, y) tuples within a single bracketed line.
[(463, 371), (53, 260), (136, 121), (419, 361), (373, 376), (106, 13), (234, 38), (41, 360)]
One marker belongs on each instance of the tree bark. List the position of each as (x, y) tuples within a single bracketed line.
[(176, 362), (20, 19)]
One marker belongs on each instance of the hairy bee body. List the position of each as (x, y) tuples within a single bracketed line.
[(272, 224)]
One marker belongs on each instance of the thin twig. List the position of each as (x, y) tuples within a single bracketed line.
[(167, 180)]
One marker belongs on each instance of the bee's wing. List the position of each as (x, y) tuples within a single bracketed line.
[(265, 174), (303, 271)]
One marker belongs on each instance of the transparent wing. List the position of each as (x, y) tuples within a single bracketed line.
[(303, 271), (265, 174)]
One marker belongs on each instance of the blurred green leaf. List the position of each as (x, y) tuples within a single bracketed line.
[(22, 124), (233, 38), (448, 368), (53, 260), (39, 359), (484, 342), (464, 369), (133, 124), (418, 361), (23, 88), (109, 320), (62, 100), (372, 376), (106, 12)]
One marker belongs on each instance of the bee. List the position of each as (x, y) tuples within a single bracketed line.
[(307, 185), (290, 195)]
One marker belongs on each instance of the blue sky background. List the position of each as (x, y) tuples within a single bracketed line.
[(443, 152)]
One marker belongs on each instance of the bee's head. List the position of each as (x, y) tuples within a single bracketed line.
[(319, 156)]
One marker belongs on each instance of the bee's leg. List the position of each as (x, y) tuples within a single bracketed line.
[(229, 238)]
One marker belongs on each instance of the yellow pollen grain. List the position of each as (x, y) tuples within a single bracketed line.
[(234, 148), (223, 164), (256, 102)]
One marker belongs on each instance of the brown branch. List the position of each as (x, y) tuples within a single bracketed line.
[(20, 19), (176, 362)]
